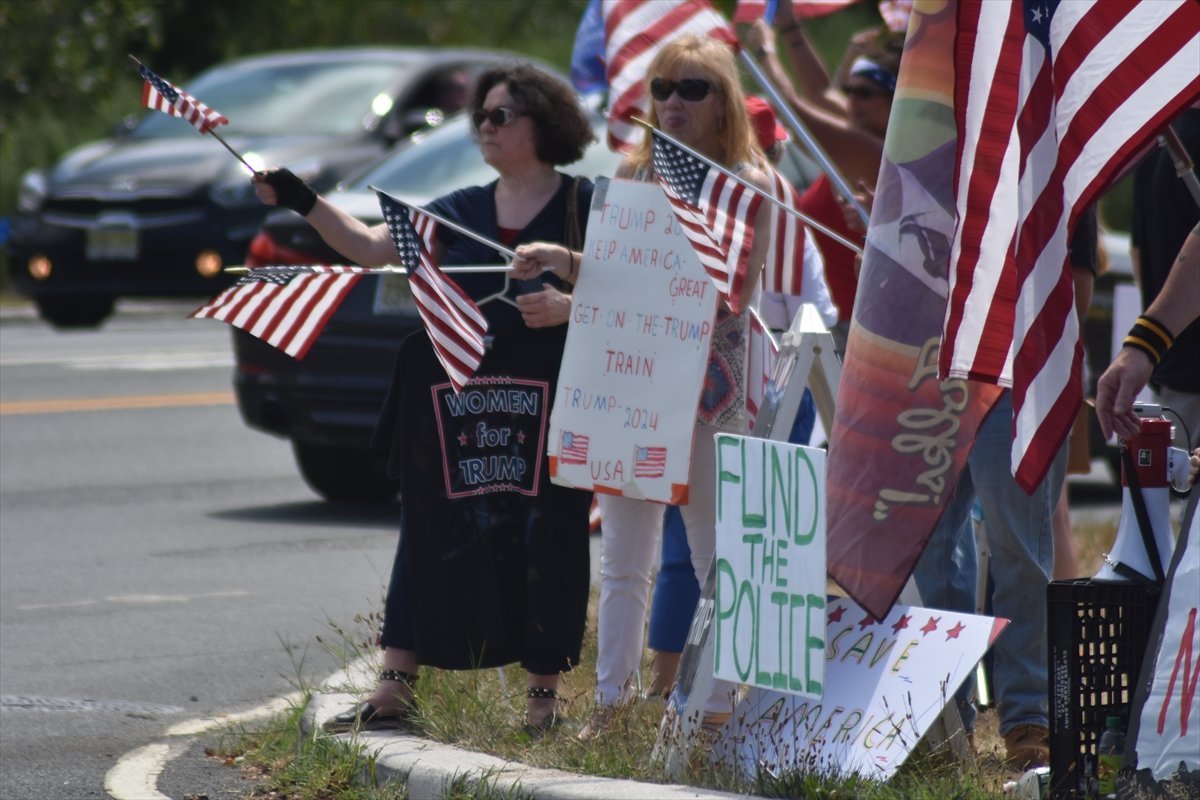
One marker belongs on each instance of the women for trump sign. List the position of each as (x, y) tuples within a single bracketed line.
[(637, 349)]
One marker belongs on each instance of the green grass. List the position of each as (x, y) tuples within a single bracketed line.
[(478, 711)]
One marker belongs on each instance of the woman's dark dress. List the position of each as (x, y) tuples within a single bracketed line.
[(492, 565)]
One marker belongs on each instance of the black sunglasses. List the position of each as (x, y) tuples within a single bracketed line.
[(691, 89), (497, 116)]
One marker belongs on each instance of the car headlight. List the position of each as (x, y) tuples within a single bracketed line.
[(32, 193)]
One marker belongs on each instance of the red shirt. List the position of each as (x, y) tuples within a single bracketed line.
[(820, 203)]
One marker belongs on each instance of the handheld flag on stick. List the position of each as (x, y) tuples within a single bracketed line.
[(286, 307), (784, 270), (716, 212), (455, 325), (1052, 101), (159, 94)]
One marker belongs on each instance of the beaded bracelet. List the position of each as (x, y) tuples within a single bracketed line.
[(1151, 337), (791, 26)]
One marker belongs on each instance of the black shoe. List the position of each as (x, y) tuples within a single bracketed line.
[(365, 717), (548, 722)]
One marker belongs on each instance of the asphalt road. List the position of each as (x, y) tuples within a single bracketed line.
[(159, 562)]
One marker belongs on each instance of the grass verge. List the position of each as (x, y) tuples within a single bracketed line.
[(483, 710)]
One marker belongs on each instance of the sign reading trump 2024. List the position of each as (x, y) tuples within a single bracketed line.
[(637, 348), (769, 620)]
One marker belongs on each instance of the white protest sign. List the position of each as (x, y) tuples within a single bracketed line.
[(636, 353), (1168, 734), (886, 682), (769, 616)]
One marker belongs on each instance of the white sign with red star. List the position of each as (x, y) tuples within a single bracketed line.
[(886, 682)]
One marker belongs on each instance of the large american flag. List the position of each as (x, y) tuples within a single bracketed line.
[(1053, 100), (715, 211), (160, 95), (634, 31), (286, 307), (455, 325)]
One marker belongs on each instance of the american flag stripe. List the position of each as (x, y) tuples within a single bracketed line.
[(286, 310), (1039, 140), (784, 269), (160, 94), (634, 31)]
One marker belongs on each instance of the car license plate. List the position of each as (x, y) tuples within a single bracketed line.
[(393, 295), (112, 244)]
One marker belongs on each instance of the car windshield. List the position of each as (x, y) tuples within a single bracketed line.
[(330, 97), (448, 158)]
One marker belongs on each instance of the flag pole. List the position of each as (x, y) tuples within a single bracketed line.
[(837, 237), (454, 226), (810, 143), (1169, 140), (213, 131), (386, 270)]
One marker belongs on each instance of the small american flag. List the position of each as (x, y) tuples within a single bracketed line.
[(1053, 100), (455, 325), (160, 95), (715, 212), (784, 270), (649, 462), (634, 32), (286, 307), (574, 448)]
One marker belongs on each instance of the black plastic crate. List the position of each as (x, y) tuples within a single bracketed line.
[(1097, 634)]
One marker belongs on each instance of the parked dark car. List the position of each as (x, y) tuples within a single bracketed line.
[(327, 403), (159, 210)]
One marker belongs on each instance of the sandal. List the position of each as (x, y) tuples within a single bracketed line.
[(365, 717), (548, 722)]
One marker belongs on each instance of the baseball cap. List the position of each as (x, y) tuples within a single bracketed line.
[(767, 129)]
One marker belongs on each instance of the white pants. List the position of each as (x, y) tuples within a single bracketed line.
[(630, 531)]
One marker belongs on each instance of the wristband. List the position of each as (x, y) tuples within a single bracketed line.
[(290, 191), (1149, 336), (791, 26)]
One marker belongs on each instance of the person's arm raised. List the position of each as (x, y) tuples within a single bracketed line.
[(349, 236)]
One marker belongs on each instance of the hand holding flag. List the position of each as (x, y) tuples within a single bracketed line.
[(455, 325)]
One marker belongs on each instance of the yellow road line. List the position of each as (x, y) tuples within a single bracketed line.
[(66, 405)]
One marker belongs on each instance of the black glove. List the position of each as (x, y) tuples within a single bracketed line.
[(290, 191)]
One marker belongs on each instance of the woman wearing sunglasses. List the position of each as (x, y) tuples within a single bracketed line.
[(489, 570), (696, 98)]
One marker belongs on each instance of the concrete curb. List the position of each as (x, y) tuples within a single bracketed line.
[(428, 768)]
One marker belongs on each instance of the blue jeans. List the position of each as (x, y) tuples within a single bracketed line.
[(1021, 540)]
